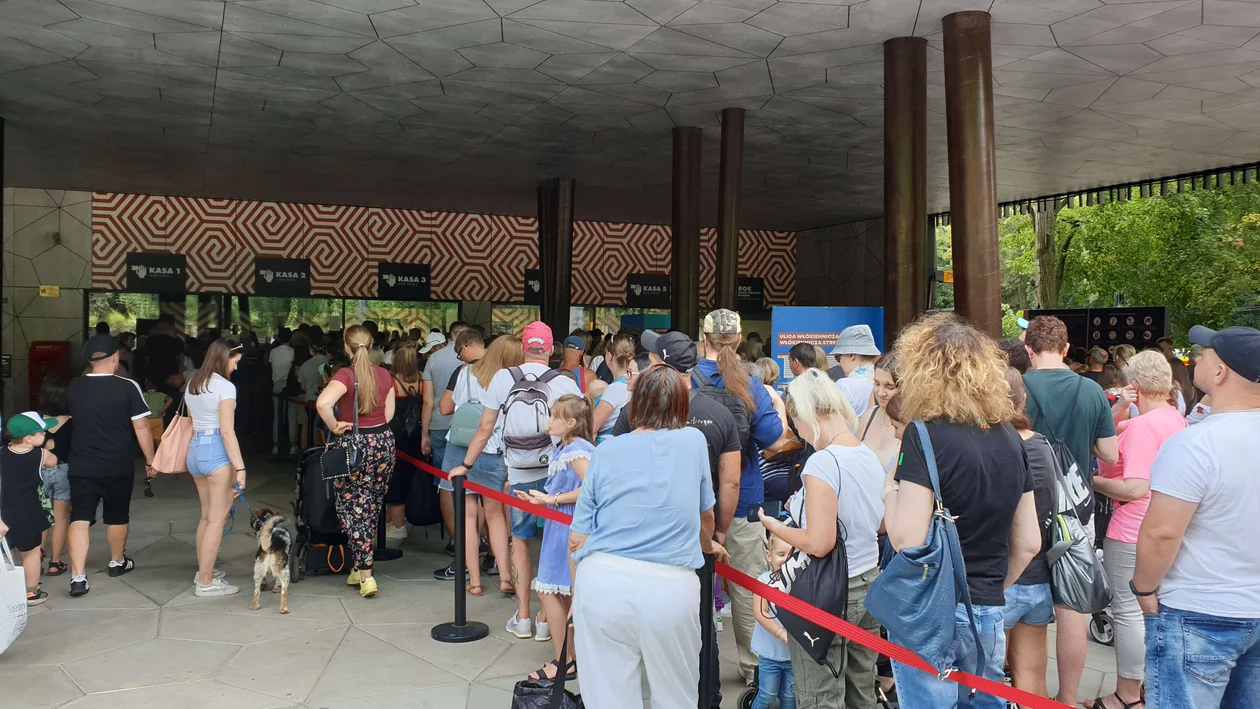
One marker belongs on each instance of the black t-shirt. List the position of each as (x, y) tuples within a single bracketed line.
[(103, 408), (983, 473), (1092, 376), (710, 418), (1041, 467), (62, 439)]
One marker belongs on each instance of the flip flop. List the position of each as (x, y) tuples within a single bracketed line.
[(1099, 704)]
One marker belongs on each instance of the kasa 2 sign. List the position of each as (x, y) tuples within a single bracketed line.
[(284, 277)]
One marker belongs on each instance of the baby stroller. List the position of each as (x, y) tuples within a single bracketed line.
[(320, 545)]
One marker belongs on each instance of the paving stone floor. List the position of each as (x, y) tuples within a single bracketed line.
[(144, 639)]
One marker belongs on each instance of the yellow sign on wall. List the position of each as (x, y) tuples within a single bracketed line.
[(50, 291), (948, 277)]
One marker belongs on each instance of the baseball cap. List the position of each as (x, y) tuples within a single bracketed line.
[(99, 347), (1238, 348), (573, 342), (721, 322), (433, 339), (1023, 324), (537, 338), (856, 340), (28, 422), (674, 348)]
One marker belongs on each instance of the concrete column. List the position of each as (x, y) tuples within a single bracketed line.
[(685, 266), (972, 169), (555, 252), (730, 181), (905, 182)]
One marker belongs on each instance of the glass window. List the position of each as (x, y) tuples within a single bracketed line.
[(121, 310), (608, 320), (402, 315), (268, 315), (512, 318)]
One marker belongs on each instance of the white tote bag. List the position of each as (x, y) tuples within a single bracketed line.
[(12, 598)]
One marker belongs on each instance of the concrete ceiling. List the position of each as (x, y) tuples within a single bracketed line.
[(462, 105)]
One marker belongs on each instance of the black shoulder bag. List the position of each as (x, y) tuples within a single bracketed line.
[(343, 455)]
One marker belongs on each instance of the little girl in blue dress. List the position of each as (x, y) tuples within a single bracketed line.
[(571, 422)]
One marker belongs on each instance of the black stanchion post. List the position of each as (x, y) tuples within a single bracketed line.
[(460, 631), (707, 635)]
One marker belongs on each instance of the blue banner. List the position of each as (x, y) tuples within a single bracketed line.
[(790, 325)]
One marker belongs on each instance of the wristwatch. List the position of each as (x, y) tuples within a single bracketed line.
[(1140, 594)]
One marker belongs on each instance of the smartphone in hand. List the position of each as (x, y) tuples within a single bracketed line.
[(773, 508)]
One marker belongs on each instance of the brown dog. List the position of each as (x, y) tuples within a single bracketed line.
[(274, 545)]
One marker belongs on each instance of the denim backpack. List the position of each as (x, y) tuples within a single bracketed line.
[(915, 597)]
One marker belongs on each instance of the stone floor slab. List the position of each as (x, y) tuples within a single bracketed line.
[(389, 669), (189, 695), (181, 624), (321, 608), (467, 660), (104, 593), (92, 640), (288, 667), (447, 696), (36, 687), (150, 663)]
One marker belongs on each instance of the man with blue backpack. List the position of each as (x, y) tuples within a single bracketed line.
[(721, 376), (519, 400)]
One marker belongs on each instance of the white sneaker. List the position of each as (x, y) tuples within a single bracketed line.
[(726, 611), (393, 533), (218, 574), (217, 587), (295, 450), (523, 629), (275, 450), (542, 631)]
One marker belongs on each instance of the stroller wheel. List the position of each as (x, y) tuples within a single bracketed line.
[(746, 699), (1101, 630)]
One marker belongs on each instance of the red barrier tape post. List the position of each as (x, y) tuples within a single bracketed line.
[(804, 610)]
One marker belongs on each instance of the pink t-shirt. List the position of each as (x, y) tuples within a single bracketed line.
[(1139, 440)]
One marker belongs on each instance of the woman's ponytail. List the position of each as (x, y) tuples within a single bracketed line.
[(731, 367), (359, 342)]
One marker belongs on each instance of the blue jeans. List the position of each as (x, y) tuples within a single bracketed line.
[(1195, 660), (206, 453), (1030, 604), (524, 524), (775, 680), (437, 439), (921, 690)]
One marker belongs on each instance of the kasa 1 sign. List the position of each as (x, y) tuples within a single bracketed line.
[(817, 326)]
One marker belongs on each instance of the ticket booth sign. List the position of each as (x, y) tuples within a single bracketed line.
[(48, 360)]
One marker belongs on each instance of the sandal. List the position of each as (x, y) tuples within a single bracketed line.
[(570, 671), (474, 589), (507, 589), (56, 568), (1098, 702)]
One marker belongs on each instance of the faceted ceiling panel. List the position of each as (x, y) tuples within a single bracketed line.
[(464, 104)]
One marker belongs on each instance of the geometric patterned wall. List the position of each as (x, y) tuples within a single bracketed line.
[(471, 256)]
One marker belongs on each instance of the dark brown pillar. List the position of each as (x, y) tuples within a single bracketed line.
[(555, 252), (972, 169), (730, 180), (905, 183), (684, 312)]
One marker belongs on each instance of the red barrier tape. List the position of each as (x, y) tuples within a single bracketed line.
[(795, 605)]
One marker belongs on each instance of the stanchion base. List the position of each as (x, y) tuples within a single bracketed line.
[(451, 633), (386, 554)]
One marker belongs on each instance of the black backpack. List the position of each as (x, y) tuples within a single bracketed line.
[(732, 402), (1062, 453), (407, 412)]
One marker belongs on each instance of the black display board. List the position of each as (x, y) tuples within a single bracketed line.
[(533, 286), (403, 281), (751, 294), (648, 290), (157, 273), (282, 277), (1108, 327)]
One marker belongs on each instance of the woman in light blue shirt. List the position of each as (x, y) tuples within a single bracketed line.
[(643, 522)]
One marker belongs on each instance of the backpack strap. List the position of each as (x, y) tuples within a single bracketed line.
[(548, 375)]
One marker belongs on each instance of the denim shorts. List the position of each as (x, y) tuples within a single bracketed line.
[(489, 471), (446, 455), (1028, 604), (524, 524), (206, 453), (57, 482)]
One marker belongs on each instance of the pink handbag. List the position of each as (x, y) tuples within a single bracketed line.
[(172, 453)]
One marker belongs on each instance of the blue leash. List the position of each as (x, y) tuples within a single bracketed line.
[(240, 496)]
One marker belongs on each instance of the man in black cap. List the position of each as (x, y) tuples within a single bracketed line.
[(718, 426), (108, 411), (1198, 564)]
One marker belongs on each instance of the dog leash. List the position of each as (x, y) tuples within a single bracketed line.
[(240, 496)]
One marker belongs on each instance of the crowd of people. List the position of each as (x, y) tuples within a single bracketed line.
[(666, 451)]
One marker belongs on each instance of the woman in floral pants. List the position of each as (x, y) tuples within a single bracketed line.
[(367, 390)]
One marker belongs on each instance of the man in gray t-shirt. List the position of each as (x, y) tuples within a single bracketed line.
[(433, 425)]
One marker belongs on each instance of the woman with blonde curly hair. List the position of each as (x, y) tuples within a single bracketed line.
[(953, 379)]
